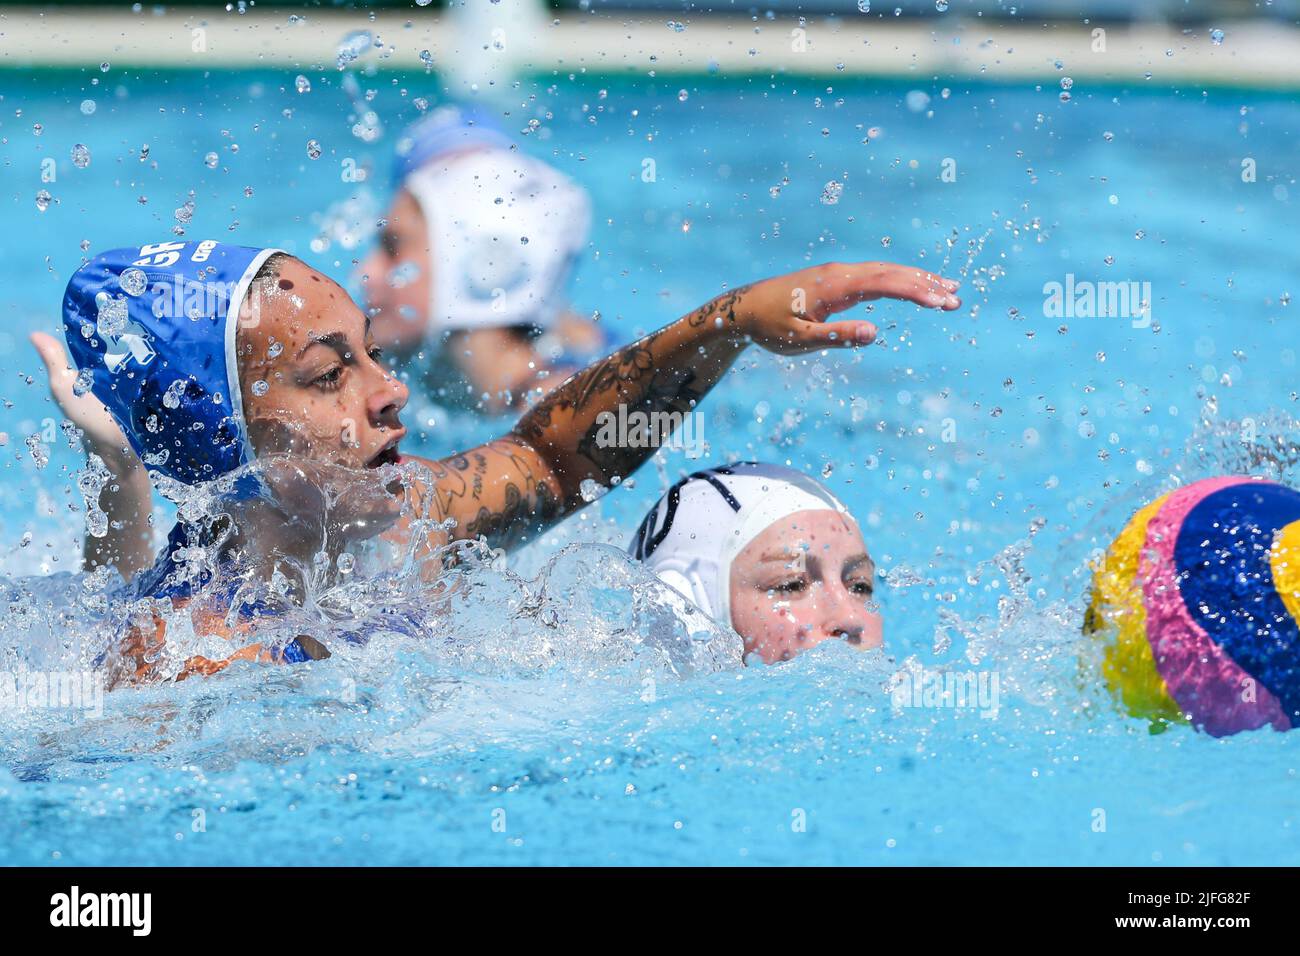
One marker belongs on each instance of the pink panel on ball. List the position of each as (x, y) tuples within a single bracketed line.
[(1206, 682)]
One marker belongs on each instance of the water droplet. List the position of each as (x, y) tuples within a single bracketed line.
[(80, 156), (43, 200), (591, 490), (1216, 37), (864, 6), (682, 96), (275, 349), (85, 379), (87, 107), (941, 5), (39, 452), (260, 387), (172, 397), (831, 193), (133, 281), (347, 560), (313, 149), (354, 44), (211, 160)]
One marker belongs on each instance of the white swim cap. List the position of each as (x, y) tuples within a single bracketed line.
[(505, 230), (693, 534)]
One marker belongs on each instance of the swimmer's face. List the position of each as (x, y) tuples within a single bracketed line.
[(806, 579), (313, 386), (397, 278)]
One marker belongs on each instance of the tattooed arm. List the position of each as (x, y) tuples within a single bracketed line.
[(516, 486)]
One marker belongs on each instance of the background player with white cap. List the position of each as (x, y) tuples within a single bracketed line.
[(470, 269)]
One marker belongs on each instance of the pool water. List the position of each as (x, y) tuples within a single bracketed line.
[(555, 711)]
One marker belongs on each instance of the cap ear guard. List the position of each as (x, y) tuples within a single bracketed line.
[(689, 586), (155, 328)]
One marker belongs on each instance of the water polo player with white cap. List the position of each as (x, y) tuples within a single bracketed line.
[(254, 381), (767, 550), (472, 262)]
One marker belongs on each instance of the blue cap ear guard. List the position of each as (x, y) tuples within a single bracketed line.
[(152, 330)]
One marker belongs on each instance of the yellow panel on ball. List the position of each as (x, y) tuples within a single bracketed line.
[(1284, 560), (1117, 616)]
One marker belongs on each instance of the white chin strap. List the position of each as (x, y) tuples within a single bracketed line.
[(693, 534), (504, 232)]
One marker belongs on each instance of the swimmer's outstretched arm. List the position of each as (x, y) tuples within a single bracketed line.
[(127, 499), (510, 489)]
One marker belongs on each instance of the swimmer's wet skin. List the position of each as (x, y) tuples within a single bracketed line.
[(273, 363)]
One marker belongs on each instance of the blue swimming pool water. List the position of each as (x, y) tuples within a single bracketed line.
[(533, 724)]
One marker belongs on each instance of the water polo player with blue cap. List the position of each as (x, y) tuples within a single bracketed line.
[(472, 262), (767, 550), (252, 382)]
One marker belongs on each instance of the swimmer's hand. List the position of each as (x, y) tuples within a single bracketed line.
[(100, 432), (127, 500), (789, 314)]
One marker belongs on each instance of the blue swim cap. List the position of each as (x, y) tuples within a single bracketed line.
[(446, 129), (153, 329)]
